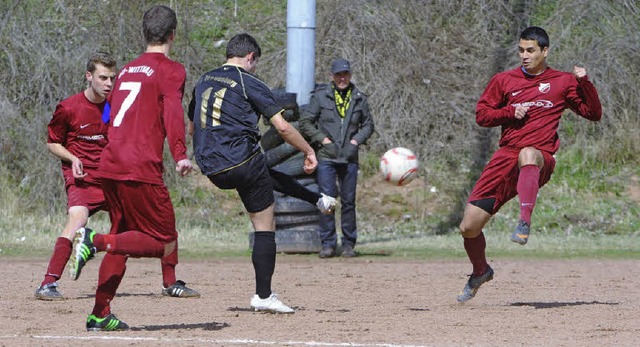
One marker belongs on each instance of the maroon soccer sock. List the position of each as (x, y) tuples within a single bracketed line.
[(528, 187), (112, 270), (168, 265), (264, 261), (134, 243), (475, 250), (61, 253), (100, 241)]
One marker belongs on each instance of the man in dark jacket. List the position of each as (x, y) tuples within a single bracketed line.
[(337, 121)]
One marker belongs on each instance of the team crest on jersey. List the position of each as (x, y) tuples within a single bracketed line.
[(544, 87)]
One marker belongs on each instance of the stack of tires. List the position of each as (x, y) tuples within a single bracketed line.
[(296, 220)]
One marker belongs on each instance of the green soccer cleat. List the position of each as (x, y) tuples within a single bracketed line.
[(85, 251), (108, 323)]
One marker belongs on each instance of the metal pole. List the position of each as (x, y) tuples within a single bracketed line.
[(301, 38)]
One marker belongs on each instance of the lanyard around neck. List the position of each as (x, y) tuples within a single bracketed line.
[(342, 104)]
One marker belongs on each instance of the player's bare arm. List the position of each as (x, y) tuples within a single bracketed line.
[(190, 128), (61, 152), (293, 137)]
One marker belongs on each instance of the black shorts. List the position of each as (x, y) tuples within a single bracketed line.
[(252, 181)]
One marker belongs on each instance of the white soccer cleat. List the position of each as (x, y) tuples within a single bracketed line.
[(270, 304), (326, 204)]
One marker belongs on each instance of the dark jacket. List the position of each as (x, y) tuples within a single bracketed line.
[(321, 119)]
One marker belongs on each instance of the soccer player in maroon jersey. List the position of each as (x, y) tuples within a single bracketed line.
[(77, 136), (527, 102), (146, 108), (229, 101)]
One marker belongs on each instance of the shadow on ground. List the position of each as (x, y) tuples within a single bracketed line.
[(540, 305), (213, 326)]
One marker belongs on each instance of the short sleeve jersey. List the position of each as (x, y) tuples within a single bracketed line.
[(226, 106), (547, 95), (77, 125), (146, 107)]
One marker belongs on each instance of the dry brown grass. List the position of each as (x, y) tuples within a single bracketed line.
[(423, 63)]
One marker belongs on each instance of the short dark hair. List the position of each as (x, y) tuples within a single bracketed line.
[(536, 34), (158, 23), (241, 45), (103, 58)]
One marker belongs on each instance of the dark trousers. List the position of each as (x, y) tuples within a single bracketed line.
[(330, 176)]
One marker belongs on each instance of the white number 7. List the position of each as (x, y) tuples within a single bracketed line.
[(134, 88)]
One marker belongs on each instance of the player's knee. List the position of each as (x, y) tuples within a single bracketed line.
[(529, 156), (468, 231), (169, 248)]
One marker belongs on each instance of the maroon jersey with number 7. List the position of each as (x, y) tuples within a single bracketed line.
[(146, 107)]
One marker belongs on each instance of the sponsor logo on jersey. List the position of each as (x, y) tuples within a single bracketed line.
[(538, 103), (516, 93), (544, 87), (92, 137), (223, 80)]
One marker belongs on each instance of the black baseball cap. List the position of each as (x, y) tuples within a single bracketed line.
[(340, 65)]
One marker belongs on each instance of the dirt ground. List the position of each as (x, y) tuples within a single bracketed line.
[(365, 301)]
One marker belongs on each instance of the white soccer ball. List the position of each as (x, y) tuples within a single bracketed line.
[(399, 166)]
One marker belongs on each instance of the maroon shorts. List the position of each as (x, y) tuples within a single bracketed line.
[(89, 195), (499, 179), (140, 206)]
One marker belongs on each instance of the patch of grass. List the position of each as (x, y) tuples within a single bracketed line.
[(540, 246)]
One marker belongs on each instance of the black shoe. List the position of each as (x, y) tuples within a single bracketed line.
[(474, 283), (327, 252), (49, 291), (108, 323), (180, 290), (348, 252)]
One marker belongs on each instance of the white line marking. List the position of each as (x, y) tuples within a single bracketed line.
[(210, 341)]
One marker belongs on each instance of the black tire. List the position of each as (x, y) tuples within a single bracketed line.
[(287, 204), (292, 220), (279, 154), (296, 220), (309, 181), (271, 139), (292, 166), (288, 101), (295, 240), (305, 228), (291, 115)]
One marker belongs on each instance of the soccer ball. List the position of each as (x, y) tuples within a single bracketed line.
[(399, 166)]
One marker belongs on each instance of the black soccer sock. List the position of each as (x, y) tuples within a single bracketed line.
[(287, 185), (264, 261)]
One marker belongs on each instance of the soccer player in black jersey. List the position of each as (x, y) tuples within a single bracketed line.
[(227, 104)]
